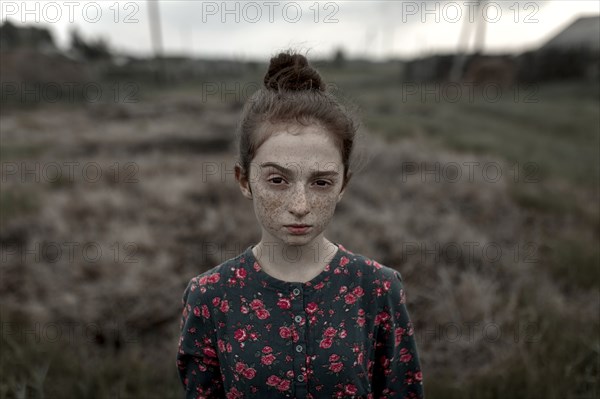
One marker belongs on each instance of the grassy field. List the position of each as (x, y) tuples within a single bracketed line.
[(108, 328)]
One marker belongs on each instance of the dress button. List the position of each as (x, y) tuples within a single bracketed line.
[(296, 291), (301, 377), (298, 319), (298, 348)]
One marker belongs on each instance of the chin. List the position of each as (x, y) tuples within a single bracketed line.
[(292, 239)]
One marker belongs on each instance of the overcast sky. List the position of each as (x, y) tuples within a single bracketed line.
[(257, 29)]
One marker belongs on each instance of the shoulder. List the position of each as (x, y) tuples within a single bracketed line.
[(384, 282), (370, 267), (201, 287)]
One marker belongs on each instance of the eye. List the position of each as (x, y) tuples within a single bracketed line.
[(323, 183), (276, 180)]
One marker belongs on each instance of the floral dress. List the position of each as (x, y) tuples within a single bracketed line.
[(344, 334)]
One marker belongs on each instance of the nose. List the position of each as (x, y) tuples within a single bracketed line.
[(299, 206)]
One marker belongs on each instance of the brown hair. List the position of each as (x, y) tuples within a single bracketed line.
[(293, 91)]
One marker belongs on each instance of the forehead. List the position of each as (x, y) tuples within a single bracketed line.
[(309, 145)]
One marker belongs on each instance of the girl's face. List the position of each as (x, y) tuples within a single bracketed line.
[(295, 179)]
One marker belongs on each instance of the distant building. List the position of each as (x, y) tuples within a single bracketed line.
[(572, 54), (584, 34)]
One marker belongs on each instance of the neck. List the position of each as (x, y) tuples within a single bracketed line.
[(294, 262)]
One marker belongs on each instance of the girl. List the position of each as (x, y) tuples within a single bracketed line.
[(296, 315)]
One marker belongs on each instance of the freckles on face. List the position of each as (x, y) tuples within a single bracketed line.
[(296, 195)]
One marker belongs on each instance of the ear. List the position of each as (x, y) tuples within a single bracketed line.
[(344, 186), (242, 179)]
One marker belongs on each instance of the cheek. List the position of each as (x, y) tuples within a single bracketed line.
[(268, 203), (324, 206)]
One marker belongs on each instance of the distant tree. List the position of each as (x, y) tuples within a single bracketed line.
[(339, 58), (90, 50), (9, 37), (14, 37)]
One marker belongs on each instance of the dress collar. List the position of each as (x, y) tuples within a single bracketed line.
[(257, 274)]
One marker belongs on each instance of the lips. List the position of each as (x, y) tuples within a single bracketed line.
[(298, 229)]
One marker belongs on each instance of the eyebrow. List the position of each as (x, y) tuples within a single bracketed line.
[(289, 171)]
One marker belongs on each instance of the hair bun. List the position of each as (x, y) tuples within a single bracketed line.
[(292, 72)]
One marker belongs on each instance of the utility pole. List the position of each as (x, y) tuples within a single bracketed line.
[(156, 37), (464, 39)]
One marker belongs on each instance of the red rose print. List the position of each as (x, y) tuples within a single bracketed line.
[(398, 333), (344, 261), (326, 343), (240, 335), (249, 373), (267, 349), (234, 393), (240, 273), (330, 332), (387, 284), (225, 306), (196, 311), (350, 299), (240, 367), (284, 385), (419, 376), (268, 359), (262, 314), (210, 352), (382, 317), (256, 304), (405, 358), (285, 332), (284, 303), (312, 308), (350, 389), (273, 380), (214, 278), (334, 358), (216, 301), (336, 367)]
